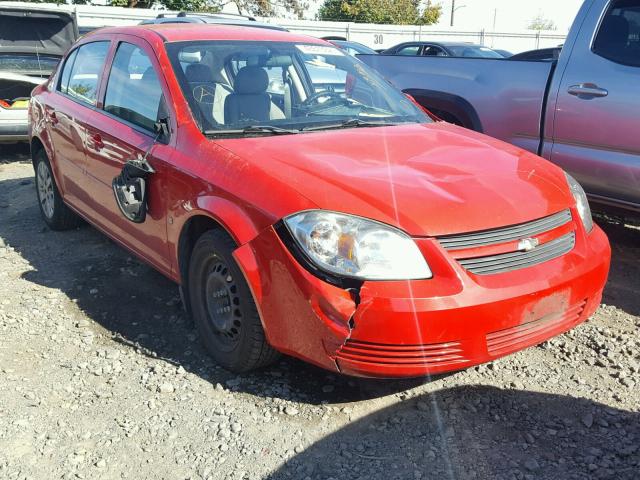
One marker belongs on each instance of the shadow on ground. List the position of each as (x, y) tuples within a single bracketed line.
[(14, 152), (141, 309), (623, 288), (479, 432)]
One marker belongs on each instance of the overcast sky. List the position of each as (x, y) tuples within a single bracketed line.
[(510, 14)]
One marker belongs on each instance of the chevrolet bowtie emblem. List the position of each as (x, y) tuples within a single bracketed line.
[(528, 244)]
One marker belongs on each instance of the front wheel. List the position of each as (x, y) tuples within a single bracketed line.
[(54, 211), (223, 308)]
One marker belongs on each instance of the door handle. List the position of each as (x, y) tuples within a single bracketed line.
[(98, 144), (587, 90)]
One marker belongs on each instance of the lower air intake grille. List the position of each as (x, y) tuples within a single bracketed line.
[(509, 340), (516, 260), (436, 354)]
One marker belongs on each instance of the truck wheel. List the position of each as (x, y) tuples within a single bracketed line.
[(53, 209), (223, 308)]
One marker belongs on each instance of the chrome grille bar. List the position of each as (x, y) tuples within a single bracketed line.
[(507, 234), (516, 260)]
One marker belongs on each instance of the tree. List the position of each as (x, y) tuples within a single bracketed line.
[(540, 22), (399, 12)]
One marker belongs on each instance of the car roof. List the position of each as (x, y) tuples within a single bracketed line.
[(180, 32), (240, 21), (443, 44)]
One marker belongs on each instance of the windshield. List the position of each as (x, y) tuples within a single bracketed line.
[(28, 64), (473, 51), (286, 87)]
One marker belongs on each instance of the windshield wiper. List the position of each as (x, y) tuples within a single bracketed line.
[(351, 123), (269, 129)]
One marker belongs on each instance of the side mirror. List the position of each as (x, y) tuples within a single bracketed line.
[(130, 189), (161, 127)]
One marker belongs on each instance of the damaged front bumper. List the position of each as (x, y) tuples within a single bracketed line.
[(420, 327)]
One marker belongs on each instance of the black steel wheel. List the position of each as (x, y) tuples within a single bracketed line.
[(223, 308)]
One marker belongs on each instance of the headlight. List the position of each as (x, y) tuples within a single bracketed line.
[(355, 247), (581, 202)]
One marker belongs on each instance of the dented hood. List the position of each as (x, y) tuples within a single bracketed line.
[(428, 180), (36, 30)]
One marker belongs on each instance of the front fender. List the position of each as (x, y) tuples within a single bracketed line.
[(231, 217)]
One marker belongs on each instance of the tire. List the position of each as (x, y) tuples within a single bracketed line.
[(222, 306), (53, 209)]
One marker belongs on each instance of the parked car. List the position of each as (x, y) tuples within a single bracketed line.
[(211, 18), (347, 229), (580, 112), (504, 53), (539, 55), (27, 60), (442, 49), (353, 48)]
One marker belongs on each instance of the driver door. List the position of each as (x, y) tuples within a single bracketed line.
[(123, 130)]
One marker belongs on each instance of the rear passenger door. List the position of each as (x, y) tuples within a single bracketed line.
[(134, 98), (67, 112), (595, 135)]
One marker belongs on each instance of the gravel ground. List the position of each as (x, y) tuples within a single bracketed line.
[(102, 377)]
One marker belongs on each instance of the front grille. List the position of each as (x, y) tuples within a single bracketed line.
[(508, 340), (506, 262), (505, 235), (437, 354)]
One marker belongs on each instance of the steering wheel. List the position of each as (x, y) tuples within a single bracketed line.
[(313, 99)]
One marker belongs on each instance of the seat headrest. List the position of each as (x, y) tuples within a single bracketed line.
[(251, 80), (197, 72)]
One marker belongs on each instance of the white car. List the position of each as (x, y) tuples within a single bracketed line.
[(27, 60)]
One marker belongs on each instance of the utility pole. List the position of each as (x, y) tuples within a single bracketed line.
[(453, 10)]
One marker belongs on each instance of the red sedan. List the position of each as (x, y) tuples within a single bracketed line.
[(305, 206)]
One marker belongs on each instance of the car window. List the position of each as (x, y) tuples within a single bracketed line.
[(431, 51), (288, 85), (66, 72), (618, 39), (133, 90), (84, 73), (410, 50)]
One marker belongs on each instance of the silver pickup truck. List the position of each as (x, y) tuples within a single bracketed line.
[(581, 112)]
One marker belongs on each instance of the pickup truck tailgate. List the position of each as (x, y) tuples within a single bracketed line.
[(507, 95)]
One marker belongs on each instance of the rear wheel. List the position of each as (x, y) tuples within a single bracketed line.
[(54, 211), (223, 308)]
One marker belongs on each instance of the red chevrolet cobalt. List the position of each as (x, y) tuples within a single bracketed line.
[(305, 206)]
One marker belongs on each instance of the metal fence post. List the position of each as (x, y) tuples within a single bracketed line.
[(348, 35), (538, 40), (482, 37)]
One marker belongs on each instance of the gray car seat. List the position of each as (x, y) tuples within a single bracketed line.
[(249, 100), (203, 89)]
